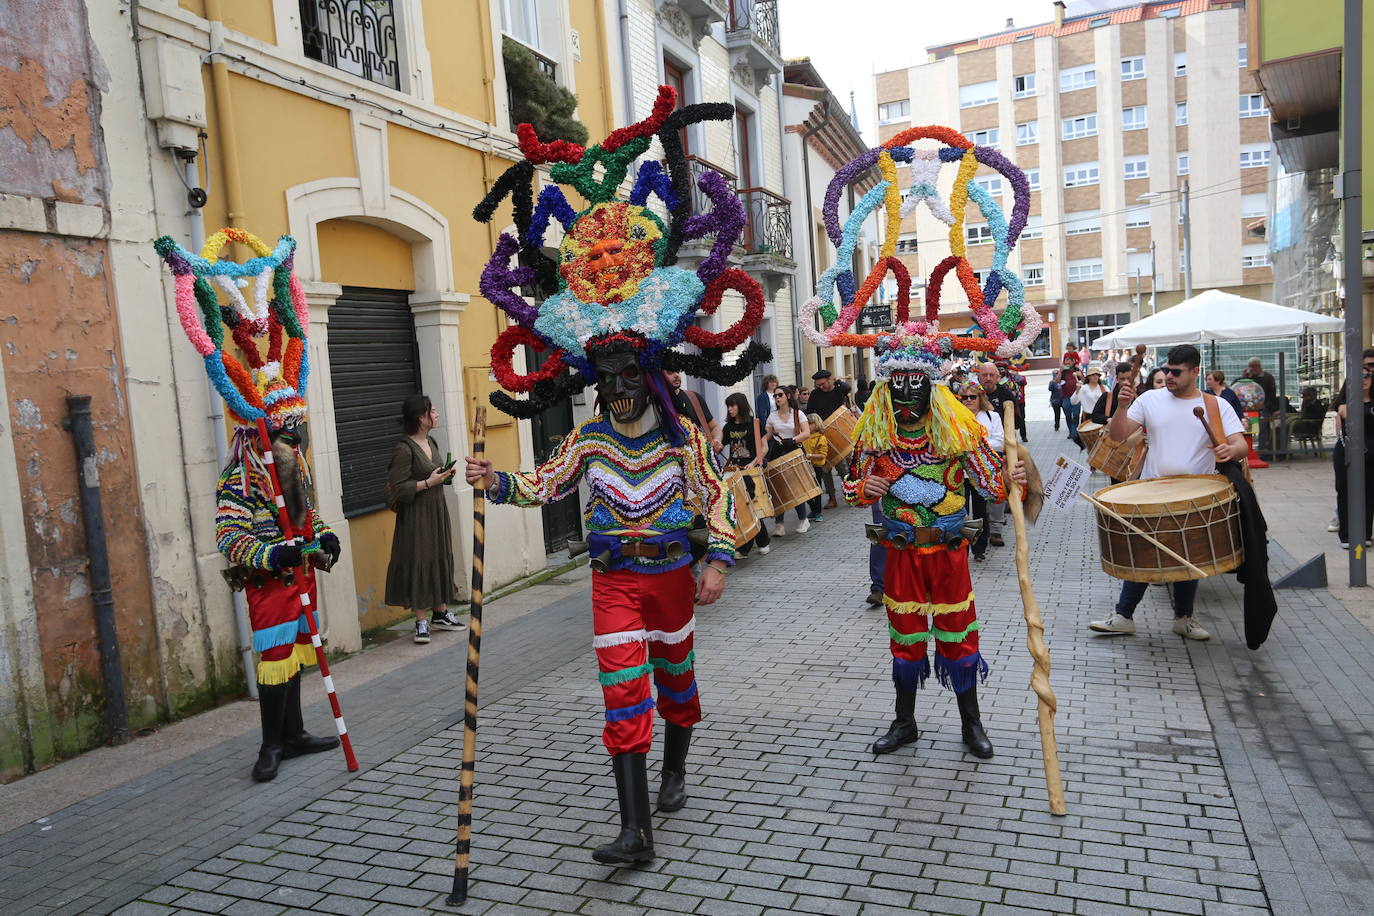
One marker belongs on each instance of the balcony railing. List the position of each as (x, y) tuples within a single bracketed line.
[(696, 168), (759, 17), (768, 223), (355, 36)]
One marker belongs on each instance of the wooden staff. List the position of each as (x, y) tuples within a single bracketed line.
[(463, 851), (288, 530), (1035, 628)]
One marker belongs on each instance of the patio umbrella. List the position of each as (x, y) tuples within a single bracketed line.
[(1215, 316)]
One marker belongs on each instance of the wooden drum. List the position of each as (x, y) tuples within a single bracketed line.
[(1196, 515), (1088, 431), (791, 481), (1118, 460), (763, 506), (839, 428), (746, 521)]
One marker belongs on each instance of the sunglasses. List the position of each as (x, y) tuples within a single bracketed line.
[(1169, 370), (968, 397)]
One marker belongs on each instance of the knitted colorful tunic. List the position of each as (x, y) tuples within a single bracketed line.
[(247, 534), (922, 583)]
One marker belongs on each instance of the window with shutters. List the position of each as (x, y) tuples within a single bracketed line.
[(374, 364), (1133, 118)]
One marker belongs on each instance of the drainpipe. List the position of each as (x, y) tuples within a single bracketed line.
[(196, 223), (78, 423), (806, 134), (626, 71), (224, 116)]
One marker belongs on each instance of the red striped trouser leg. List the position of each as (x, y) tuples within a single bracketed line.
[(619, 640), (958, 663), (669, 605), (904, 597)]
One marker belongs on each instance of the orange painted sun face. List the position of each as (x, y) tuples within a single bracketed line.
[(609, 252)]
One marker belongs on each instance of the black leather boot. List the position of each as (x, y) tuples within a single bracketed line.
[(974, 737), (672, 791), (295, 739), (903, 730), (271, 706), (635, 844)]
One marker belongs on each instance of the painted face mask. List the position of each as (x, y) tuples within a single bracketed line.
[(910, 396), (620, 382)]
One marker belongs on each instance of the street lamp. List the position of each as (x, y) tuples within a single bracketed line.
[(1152, 276), (1187, 232)]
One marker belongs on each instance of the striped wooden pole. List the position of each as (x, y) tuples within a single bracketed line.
[(479, 540), (1035, 627), (288, 531)]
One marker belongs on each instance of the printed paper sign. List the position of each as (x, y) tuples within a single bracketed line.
[(1065, 483)]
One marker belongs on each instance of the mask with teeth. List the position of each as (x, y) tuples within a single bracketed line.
[(910, 396), (620, 383)]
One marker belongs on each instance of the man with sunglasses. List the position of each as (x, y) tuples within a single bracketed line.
[(1179, 444)]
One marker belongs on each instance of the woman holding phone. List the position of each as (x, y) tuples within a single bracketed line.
[(420, 575)]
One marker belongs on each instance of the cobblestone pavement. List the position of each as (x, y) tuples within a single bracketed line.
[(1201, 778)]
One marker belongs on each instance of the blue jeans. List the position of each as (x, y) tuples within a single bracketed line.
[(877, 556), (1071, 414), (1183, 595)]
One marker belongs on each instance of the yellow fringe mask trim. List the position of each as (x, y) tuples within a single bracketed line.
[(953, 430), (282, 670)]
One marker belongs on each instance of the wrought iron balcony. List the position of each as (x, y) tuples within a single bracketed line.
[(768, 223), (355, 36), (758, 18), (697, 167)]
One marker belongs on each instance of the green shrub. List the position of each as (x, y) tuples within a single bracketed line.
[(537, 99)]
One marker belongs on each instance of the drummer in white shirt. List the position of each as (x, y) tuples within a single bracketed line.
[(1178, 445)]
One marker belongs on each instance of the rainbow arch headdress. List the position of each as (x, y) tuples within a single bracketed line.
[(645, 298), (258, 298), (920, 344)]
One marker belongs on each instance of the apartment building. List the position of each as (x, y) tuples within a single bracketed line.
[(1113, 115)]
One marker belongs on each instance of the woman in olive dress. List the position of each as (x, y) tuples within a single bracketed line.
[(420, 576)]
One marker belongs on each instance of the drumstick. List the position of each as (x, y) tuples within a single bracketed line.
[(1202, 416), (1035, 630), (1145, 534)]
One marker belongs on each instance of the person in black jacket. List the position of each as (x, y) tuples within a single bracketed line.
[(827, 397)]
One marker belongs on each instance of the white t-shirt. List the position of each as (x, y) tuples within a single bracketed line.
[(785, 427), (993, 424), (1178, 442)]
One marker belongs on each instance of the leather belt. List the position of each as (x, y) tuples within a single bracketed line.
[(924, 537), (640, 549)]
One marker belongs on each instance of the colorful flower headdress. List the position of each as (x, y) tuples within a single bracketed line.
[(615, 271), (920, 344), (270, 387)]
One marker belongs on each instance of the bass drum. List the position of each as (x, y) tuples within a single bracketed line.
[(1196, 516), (791, 481)]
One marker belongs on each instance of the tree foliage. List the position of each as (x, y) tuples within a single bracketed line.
[(537, 99)]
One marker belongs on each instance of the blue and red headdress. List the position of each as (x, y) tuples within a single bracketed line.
[(616, 270)]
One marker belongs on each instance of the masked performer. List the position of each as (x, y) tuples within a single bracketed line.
[(618, 305), (246, 529), (916, 444)]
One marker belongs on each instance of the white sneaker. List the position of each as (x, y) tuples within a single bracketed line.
[(422, 631), (1187, 628), (804, 527), (763, 551), (1115, 624), (1333, 525), (779, 530)]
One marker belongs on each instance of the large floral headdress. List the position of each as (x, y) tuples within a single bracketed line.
[(921, 344), (642, 293), (262, 298)]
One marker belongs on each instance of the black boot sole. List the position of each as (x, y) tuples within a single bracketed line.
[(290, 751), (981, 755), (610, 857), (896, 745)]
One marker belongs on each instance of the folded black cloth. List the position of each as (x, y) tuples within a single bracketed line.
[(1253, 572)]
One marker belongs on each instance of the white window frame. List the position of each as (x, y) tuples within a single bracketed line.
[(1027, 133), (531, 8), (1067, 130), (1089, 221), (1134, 118), (1172, 12), (886, 116), (1028, 89), (1252, 106), (906, 243), (1255, 156), (1033, 179), (1082, 175), (974, 94), (1132, 68), (977, 234), (1180, 114), (988, 137), (1138, 218), (1033, 275), (1086, 270), (1254, 260), (1135, 167), (1248, 209), (1034, 228), (1181, 167), (1242, 55), (1083, 76), (990, 183), (1180, 63)]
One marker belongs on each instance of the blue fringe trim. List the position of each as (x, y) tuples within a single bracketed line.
[(908, 675), (677, 696), (629, 712), (962, 675), (280, 634)]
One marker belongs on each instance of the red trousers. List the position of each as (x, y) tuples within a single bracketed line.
[(925, 585), (280, 632), (643, 623)]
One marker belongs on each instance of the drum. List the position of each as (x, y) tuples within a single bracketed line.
[(840, 429), (791, 481), (746, 521), (1088, 431), (763, 506), (1118, 460), (1196, 516)]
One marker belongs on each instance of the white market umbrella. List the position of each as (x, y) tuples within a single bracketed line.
[(1214, 316)]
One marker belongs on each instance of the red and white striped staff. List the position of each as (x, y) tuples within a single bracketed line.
[(288, 531)]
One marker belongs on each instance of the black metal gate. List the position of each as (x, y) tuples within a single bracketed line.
[(562, 519)]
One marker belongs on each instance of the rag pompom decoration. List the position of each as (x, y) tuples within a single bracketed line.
[(616, 270)]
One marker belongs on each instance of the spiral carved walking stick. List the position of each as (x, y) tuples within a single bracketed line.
[(479, 540), (1035, 629)]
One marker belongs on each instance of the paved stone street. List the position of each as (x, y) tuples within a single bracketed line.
[(1201, 778)]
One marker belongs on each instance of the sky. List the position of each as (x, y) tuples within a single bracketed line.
[(850, 40)]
